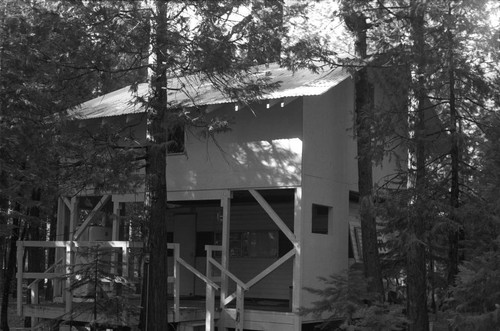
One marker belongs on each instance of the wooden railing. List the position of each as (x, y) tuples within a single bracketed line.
[(211, 287), (67, 264), (241, 287)]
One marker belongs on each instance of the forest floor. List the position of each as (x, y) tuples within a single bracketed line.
[(16, 323)]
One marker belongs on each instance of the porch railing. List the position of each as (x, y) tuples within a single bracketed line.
[(66, 264), (62, 267), (241, 286), (211, 288)]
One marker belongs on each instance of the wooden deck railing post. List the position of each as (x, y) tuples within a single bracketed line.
[(177, 284), (34, 301), (240, 309), (20, 268), (69, 270), (125, 262), (226, 224)]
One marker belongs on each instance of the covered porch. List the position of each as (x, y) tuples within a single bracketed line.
[(223, 262)]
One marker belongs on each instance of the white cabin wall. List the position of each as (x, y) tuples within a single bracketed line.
[(327, 120), (263, 149)]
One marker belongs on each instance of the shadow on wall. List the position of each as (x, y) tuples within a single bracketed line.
[(238, 165)]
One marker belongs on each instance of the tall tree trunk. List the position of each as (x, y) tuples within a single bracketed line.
[(416, 266), (364, 107), (156, 314), (454, 234)]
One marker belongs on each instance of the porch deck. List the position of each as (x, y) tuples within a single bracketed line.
[(191, 309)]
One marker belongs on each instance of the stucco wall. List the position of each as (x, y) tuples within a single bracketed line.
[(327, 120), (263, 149)]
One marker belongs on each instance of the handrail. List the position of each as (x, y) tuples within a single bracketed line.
[(198, 274), (61, 244), (211, 287), (78, 243), (240, 285), (72, 245), (263, 274), (228, 273), (36, 281)]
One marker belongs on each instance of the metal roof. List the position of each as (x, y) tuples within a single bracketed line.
[(190, 90)]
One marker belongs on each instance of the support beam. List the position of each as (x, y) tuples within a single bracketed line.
[(114, 236), (73, 218), (270, 269), (63, 206), (115, 232), (34, 300), (20, 269), (226, 212), (240, 308), (67, 202), (210, 309), (91, 216), (297, 265), (275, 217), (177, 281), (70, 261)]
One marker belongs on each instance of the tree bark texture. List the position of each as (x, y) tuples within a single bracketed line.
[(157, 303), (364, 107), (454, 234), (416, 262)]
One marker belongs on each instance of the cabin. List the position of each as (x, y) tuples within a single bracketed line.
[(256, 214)]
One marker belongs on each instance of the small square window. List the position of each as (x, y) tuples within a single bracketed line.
[(176, 140), (320, 219)]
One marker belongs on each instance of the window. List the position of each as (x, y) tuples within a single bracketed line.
[(176, 139), (253, 244), (320, 219), (245, 243)]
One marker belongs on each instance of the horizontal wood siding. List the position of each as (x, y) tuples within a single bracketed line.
[(275, 286)]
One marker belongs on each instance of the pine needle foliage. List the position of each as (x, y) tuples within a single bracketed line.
[(348, 304), (475, 299)]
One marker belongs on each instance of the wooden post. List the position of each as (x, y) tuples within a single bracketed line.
[(125, 259), (69, 270), (224, 284), (177, 284), (208, 270), (297, 263), (210, 309), (240, 309), (115, 236), (73, 218), (20, 268), (226, 215), (34, 301), (62, 211)]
